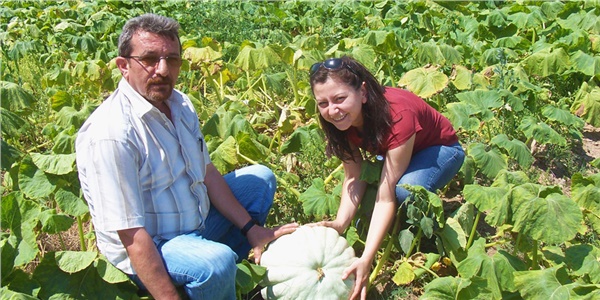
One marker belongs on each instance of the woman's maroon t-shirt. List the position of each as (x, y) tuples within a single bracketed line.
[(410, 115)]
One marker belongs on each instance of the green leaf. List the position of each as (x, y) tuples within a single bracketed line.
[(60, 99), (225, 156), (86, 284), (482, 102), (8, 253), (460, 115), (108, 272), (546, 62), (20, 281), (55, 223), (68, 116), (585, 191), (370, 171), (587, 104), (538, 211), (404, 274), (456, 288), (405, 238), (74, 261), (516, 149), (250, 147), (585, 63), (250, 58), (496, 270), (425, 82), (461, 77), (70, 203), (453, 236), (316, 201), (584, 260), (248, 276), (58, 164), (489, 161), (8, 294), (198, 56), (427, 226), (547, 284), (562, 116), (13, 126), (541, 132), (305, 135), (507, 178), (15, 98), (485, 198), (33, 181)]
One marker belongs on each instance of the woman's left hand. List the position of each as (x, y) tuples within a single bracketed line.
[(361, 269)]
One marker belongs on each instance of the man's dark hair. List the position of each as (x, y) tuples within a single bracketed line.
[(149, 23)]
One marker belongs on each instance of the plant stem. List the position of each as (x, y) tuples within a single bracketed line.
[(414, 242), (62, 241), (330, 176), (81, 237), (473, 230), (387, 251), (429, 271), (534, 256)]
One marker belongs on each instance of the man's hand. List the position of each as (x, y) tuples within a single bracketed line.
[(259, 237)]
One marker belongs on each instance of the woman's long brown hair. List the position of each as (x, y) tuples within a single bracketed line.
[(377, 120)]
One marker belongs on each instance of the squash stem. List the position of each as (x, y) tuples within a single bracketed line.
[(473, 231), (534, 256), (414, 242), (330, 176), (387, 251), (81, 234)]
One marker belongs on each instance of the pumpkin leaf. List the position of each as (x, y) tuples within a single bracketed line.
[(58, 164), (490, 162), (316, 201), (108, 272), (74, 261), (225, 156), (543, 284), (515, 148), (456, 288), (248, 276), (497, 270), (425, 82), (14, 97), (404, 274), (537, 210)]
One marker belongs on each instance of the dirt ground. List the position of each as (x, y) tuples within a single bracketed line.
[(591, 142)]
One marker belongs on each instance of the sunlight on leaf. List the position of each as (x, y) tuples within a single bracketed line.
[(425, 82)]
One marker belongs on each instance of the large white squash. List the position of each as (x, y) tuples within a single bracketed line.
[(307, 264)]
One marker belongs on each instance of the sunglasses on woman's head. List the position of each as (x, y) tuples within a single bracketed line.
[(331, 64)]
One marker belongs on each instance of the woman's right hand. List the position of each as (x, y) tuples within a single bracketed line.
[(335, 224)]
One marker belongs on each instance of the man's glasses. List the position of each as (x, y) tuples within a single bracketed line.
[(331, 64), (152, 61)]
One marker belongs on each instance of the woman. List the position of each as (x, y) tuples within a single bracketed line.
[(418, 144)]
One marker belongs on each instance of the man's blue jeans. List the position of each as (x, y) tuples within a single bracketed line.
[(431, 168), (204, 261)]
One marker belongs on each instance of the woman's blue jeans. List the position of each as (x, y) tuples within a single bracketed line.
[(204, 261), (431, 168)]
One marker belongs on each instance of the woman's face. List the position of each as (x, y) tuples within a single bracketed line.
[(340, 104)]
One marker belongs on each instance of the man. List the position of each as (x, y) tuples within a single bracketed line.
[(161, 210)]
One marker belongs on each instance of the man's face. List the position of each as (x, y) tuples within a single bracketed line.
[(150, 75)]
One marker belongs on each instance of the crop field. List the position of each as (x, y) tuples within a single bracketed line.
[(519, 80)]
